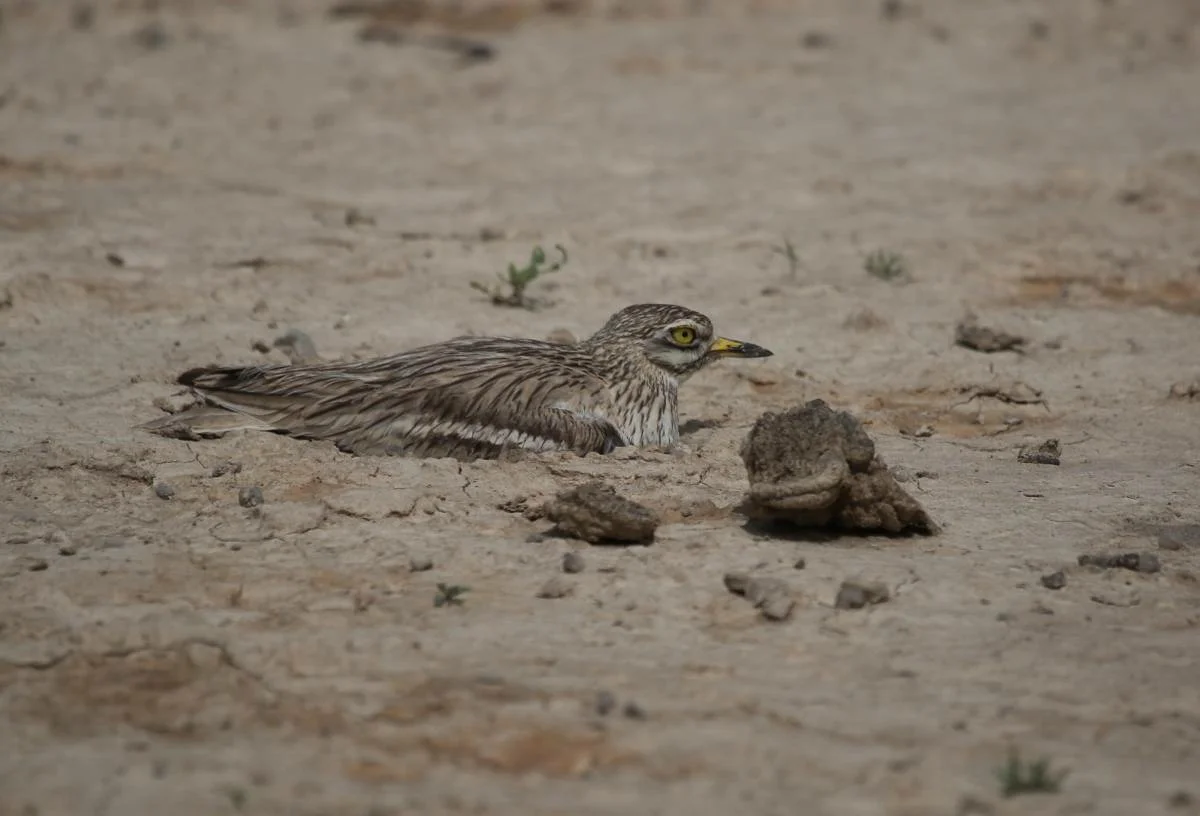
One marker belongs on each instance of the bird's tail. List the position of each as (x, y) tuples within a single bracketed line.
[(201, 421)]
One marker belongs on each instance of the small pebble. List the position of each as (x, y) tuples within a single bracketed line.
[(250, 496), (83, 16), (605, 703), (164, 491), (37, 564), (777, 607), (152, 36), (420, 563), (573, 562), (1055, 580), (634, 711), (355, 216), (800, 564), (556, 587), (857, 594)]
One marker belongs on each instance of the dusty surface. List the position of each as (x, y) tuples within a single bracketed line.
[(180, 187)]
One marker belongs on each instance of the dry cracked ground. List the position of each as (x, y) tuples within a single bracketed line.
[(182, 183)]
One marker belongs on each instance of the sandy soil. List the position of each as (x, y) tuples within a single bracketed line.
[(181, 183)]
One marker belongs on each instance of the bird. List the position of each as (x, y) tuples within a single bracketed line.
[(474, 397)]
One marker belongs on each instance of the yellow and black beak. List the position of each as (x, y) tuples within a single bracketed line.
[(724, 347)]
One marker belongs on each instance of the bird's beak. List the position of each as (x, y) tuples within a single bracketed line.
[(724, 347)]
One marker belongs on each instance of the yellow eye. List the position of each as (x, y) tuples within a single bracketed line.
[(683, 335)]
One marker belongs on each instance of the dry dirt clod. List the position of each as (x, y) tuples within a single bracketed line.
[(251, 496), (420, 563), (354, 217), (298, 346), (224, 469), (175, 403), (1138, 562), (855, 594), (800, 564), (556, 587), (164, 491), (812, 466), (1055, 580), (1186, 390), (771, 596), (35, 564), (969, 334), (573, 562), (1044, 453), (595, 512)]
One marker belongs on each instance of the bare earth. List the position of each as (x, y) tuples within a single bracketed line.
[(180, 184)]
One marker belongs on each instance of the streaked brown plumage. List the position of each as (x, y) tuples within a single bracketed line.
[(475, 397)]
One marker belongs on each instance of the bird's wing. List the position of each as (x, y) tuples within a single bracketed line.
[(469, 397)]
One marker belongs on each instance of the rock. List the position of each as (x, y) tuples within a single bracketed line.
[(812, 466), (562, 337), (595, 512), (969, 334), (251, 496), (1055, 580), (573, 562), (420, 563), (771, 596), (556, 587), (225, 469), (1138, 562), (164, 491), (855, 594), (1045, 453), (800, 564)]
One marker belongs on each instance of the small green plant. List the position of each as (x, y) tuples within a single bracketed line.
[(789, 254), (886, 265), (450, 595), (1017, 776), (518, 280)]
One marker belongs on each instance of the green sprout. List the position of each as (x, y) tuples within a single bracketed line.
[(1018, 777), (450, 595), (886, 265), (518, 280), (788, 251)]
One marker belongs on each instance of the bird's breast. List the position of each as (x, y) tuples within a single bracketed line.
[(648, 417)]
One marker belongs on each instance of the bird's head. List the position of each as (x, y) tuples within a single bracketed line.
[(673, 339)]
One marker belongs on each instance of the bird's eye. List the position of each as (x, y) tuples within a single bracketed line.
[(683, 335)]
